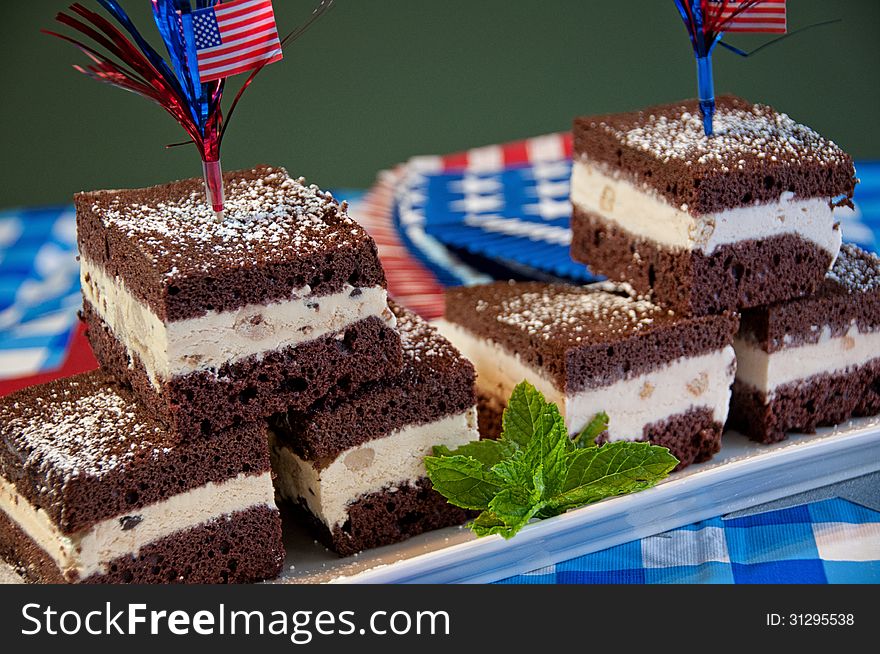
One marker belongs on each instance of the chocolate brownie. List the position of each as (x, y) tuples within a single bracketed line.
[(738, 219), (356, 462), (93, 488), (435, 381), (598, 348), (273, 306), (814, 360)]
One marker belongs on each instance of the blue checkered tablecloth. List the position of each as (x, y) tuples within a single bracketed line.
[(831, 541), (827, 541)]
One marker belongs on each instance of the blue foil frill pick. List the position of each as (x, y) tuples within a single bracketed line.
[(706, 91), (703, 43), (168, 15), (115, 10)]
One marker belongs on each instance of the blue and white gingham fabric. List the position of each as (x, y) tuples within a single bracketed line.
[(832, 541), (39, 289), (520, 215)]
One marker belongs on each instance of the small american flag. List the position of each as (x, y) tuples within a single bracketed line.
[(234, 37), (764, 16)]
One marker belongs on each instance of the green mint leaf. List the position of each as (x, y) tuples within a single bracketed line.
[(536, 470), (487, 523), (589, 434), (614, 469), (539, 429), (515, 471), (463, 481), (487, 452), (508, 512), (526, 414)]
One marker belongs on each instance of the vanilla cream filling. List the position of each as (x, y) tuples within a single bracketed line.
[(389, 462), (645, 214), (180, 347), (830, 354), (701, 381), (91, 550)]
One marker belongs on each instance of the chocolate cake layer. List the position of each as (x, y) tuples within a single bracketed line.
[(692, 437), (389, 516), (583, 337), (748, 273), (83, 450), (277, 235), (755, 155), (241, 548), (849, 295), (251, 389), (820, 400), (435, 381)]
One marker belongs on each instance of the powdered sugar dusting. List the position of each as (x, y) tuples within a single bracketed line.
[(754, 132), (856, 270), (421, 341), (553, 309), (268, 216), (77, 428)]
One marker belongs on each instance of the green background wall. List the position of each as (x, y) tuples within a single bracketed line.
[(380, 80)]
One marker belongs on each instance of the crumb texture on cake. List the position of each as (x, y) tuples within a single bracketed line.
[(434, 381), (329, 487), (210, 341), (241, 548), (847, 298), (389, 516), (820, 400), (89, 551), (248, 390), (748, 273)]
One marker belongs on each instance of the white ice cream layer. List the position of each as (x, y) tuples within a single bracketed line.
[(168, 349), (645, 214), (88, 552), (697, 382), (392, 461), (831, 354)]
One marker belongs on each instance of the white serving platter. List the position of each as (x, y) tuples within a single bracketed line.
[(742, 475)]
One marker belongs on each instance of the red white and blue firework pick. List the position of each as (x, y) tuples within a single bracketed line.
[(121, 56), (707, 20)]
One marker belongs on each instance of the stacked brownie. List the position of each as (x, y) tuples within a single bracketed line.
[(215, 323), (355, 463), (744, 220), (599, 348), (814, 360), (157, 467), (94, 489), (739, 219)]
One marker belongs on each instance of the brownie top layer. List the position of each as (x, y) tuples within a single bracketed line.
[(83, 450), (277, 234), (436, 381), (849, 294), (80, 426), (754, 155), (583, 336)]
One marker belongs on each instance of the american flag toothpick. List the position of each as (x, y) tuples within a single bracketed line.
[(707, 21), (205, 46)]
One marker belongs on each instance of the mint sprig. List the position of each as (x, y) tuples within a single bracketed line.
[(536, 471)]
